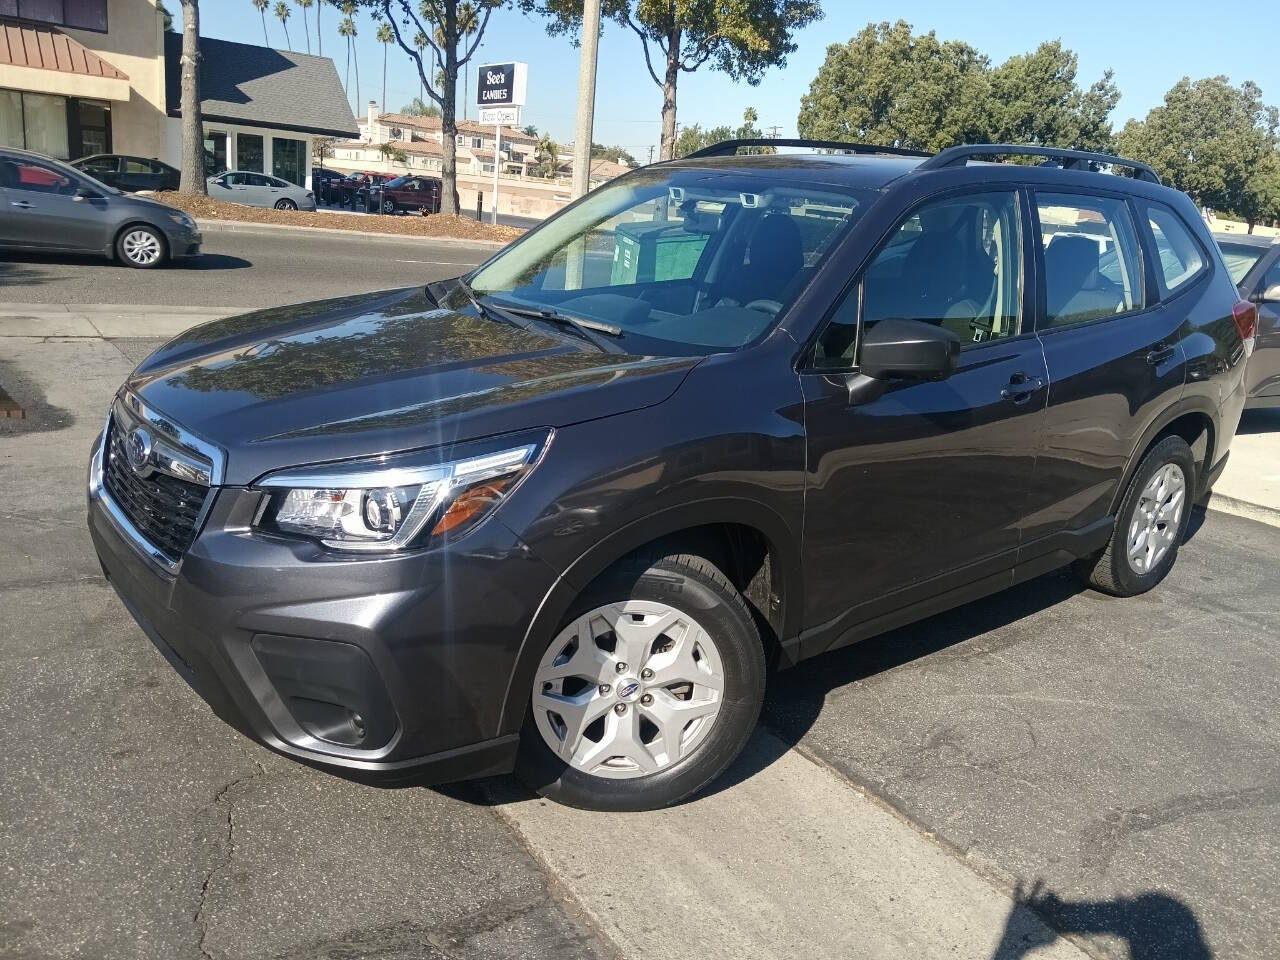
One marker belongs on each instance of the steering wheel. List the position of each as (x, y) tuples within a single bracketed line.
[(771, 307)]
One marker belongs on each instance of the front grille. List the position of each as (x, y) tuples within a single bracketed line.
[(164, 509)]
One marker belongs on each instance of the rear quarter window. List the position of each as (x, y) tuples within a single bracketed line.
[(1179, 256)]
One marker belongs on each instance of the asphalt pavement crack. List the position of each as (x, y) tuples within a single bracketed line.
[(228, 842)]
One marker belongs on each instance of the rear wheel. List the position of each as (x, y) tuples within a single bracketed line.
[(286, 204), (649, 690), (141, 247), (388, 206), (1150, 524)]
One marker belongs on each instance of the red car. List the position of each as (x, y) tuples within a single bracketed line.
[(415, 194)]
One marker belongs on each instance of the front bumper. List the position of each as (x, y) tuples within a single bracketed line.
[(286, 641), (184, 242)]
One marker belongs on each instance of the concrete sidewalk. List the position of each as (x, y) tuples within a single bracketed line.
[(108, 321)]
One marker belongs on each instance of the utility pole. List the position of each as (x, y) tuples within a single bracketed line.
[(586, 97), (773, 132), (651, 153)]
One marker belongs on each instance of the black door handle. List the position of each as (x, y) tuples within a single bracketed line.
[(1021, 387), (1160, 353)]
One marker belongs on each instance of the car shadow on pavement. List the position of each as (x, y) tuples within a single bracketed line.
[(22, 273), (1153, 925), (17, 274)]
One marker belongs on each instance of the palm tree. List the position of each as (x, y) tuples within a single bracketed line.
[(468, 23), (385, 36), (549, 151), (420, 41), (261, 6), (304, 6), (282, 12), (319, 34), (347, 29)]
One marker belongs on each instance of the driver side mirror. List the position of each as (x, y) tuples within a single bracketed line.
[(1271, 294), (84, 193), (908, 350)]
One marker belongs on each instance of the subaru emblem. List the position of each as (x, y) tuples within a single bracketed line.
[(137, 449), (628, 690)]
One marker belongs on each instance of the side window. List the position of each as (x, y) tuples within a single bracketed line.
[(1092, 263), (137, 166), (100, 165), (956, 263), (37, 178), (1181, 259)]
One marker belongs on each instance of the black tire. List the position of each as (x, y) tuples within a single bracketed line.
[(286, 204), (130, 243), (389, 206), (692, 585), (1110, 571)]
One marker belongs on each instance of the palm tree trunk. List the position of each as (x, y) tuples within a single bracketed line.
[(287, 42), (319, 34), (265, 39), (307, 27), (346, 83), (356, 54), (384, 76), (192, 180)]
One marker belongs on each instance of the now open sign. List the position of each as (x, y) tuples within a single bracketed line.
[(501, 84)]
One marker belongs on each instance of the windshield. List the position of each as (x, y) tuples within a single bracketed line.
[(680, 261), (398, 182), (1240, 258)]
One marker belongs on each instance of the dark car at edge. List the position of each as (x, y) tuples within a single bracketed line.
[(1254, 265), (565, 514)]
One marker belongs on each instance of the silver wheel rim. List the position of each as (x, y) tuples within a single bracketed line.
[(628, 689), (141, 246), (388, 206), (284, 205), (1157, 519)]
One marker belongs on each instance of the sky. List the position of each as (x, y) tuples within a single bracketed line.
[(1150, 44)]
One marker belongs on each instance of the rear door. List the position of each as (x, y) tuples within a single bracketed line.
[(922, 490), (105, 169), (1264, 366), (1112, 335)]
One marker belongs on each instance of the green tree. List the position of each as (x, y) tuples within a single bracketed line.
[(347, 30), (443, 23), (529, 130), (1216, 142), (600, 151), (890, 86), (282, 12), (742, 38), (168, 17), (393, 153), (261, 7), (304, 6), (694, 137), (547, 153), (417, 107), (321, 150)]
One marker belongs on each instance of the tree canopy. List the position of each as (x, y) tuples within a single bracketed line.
[(890, 86), (742, 38), (1217, 142), (693, 137)]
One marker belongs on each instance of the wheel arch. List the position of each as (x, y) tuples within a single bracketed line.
[(750, 539), (1193, 419), (138, 222)]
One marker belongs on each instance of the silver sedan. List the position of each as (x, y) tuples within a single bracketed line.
[(260, 190)]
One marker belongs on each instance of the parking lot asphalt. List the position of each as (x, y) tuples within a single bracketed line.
[(245, 269)]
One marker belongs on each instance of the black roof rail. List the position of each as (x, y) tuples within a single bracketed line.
[(1072, 159), (727, 148)]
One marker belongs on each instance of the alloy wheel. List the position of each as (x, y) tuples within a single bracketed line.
[(628, 689), (388, 206), (1157, 518), (141, 247), (286, 205)]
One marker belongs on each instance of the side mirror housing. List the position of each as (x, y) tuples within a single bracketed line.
[(908, 350), (84, 193)]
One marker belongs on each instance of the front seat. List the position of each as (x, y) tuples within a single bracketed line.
[(1074, 290), (774, 257)]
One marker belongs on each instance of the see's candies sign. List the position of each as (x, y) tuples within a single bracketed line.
[(502, 84)]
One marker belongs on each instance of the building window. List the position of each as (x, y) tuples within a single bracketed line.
[(90, 127), (81, 14), (35, 121), (289, 159), (215, 152), (249, 152)]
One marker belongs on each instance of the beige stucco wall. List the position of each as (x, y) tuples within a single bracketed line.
[(134, 44)]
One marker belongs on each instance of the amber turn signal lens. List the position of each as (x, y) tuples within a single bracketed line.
[(469, 504)]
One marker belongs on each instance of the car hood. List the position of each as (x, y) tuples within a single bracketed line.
[(371, 374)]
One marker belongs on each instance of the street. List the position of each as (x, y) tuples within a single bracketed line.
[(1047, 754)]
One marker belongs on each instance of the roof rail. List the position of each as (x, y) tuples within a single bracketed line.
[(1071, 159), (727, 148)]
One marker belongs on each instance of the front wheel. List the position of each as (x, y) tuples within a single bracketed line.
[(388, 206), (649, 690), (1150, 524), (141, 247), (286, 204)]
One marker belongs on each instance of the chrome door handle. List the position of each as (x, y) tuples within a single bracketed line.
[(1021, 387), (1160, 353), (21, 204)]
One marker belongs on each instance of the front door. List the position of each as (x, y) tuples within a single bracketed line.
[(41, 208), (921, 490), (1112, 346)]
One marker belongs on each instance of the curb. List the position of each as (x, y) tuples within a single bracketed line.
[(248, 226), (114, 309), (1243, 508)]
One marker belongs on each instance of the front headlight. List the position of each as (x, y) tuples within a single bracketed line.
[(393, 502), (182, 220)]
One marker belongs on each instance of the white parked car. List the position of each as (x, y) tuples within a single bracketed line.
[(260, 190)]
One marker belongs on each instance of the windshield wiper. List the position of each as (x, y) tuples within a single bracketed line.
[(585, 327)]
